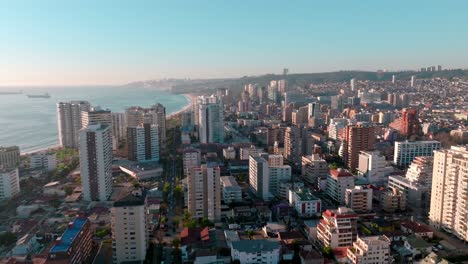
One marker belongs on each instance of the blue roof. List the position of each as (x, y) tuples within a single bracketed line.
[(69, 236)]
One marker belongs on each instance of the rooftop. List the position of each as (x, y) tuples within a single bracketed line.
[(341, 212), (306, 195), (253, 246), (11, 148), (416, 227), (417, 242), (229, 181), (340, 173), (69, 235), (130, 200)]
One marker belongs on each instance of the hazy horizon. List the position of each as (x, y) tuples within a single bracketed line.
[(56, 43)]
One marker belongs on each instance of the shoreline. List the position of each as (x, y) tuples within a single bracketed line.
[(190, 98)]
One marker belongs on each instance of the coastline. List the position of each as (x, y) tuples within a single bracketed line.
[(190, 98)]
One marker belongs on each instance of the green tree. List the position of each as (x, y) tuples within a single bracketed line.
[(176, 243), (7, 239), (250, 234), (177, 256), (101, 233), (178, 192), (68, 190), (176, 221), (327, 251), (205, 222)]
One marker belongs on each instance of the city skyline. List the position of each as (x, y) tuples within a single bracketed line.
[(116, 43)]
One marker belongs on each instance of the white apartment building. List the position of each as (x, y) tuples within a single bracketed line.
[(393, 199), (420, 171), (191, 159), (334, 127), (244, 153), (314, 168), (69, 122), (229, 153), (44, 160), (9, 183), (130, 226), (232, 192), (338, 227), (359, 199), (143, 143), (275, 160), (9, 157), (96, 115), (305, 203), (373, 166), (96, 162), (259, 179), (417, 196), (155, 115), (337, 182), (204, 192), (256, 251), (266, 172), (277, 175), (370, 250), (119, 127), (210, 123), (449, 206), (313, 110), (406, 151)]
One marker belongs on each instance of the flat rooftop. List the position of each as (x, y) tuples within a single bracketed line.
[(229, 181), (69, 236)]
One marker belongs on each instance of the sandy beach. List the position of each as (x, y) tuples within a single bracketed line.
[(190, 98)]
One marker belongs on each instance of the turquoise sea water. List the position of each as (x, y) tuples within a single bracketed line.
[(31, 123)]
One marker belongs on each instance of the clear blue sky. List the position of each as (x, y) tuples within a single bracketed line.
[(107, 42)]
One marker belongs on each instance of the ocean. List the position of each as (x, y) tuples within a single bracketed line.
[(31, 123)]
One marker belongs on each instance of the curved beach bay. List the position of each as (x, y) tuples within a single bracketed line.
[(31, 123)]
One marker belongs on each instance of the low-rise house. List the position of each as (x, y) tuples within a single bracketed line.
[(263, 213), (53, 188), (25, 246), (256, 251), (244, 213), (417, 246), (310, 228), (305, 203), (273, 228), (416, 229), (231, 191), (373, 249), (311, 257)]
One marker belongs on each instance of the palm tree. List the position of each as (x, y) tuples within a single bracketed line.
[(250, 233)]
